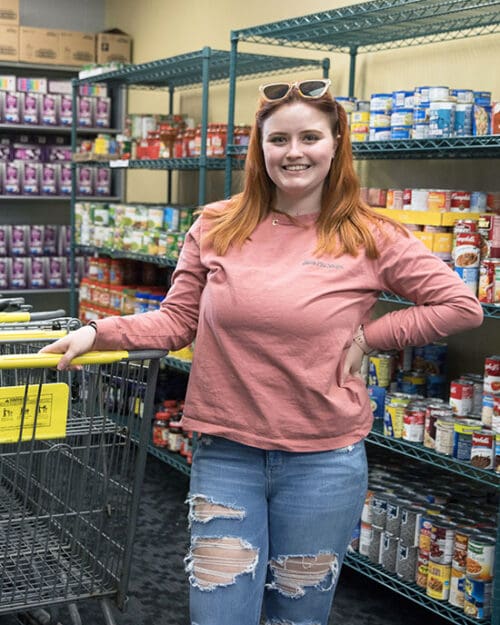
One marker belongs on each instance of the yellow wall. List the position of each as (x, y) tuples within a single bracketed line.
[(163, 28)]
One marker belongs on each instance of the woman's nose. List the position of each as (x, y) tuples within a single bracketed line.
[(294, 148)]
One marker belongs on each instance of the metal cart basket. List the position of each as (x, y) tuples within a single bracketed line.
[(73, 447)]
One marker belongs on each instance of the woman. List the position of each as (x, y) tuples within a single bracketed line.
[(276, 285)]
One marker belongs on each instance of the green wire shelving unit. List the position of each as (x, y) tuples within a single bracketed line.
[(371, 27), (198, 69)]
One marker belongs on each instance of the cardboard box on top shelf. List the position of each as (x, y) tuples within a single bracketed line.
[(39, 45), (9, 43), (9, 12), (113, 45), (77, 48)]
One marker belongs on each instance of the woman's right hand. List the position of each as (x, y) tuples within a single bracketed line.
[(74, 344)]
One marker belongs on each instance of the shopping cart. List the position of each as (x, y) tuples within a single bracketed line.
[(26, 316), (73, 447)]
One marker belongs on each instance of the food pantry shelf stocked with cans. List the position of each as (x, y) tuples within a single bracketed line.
[(461, 419), (431, 534), (121, 287), (153, 230), (167, 432), (421, 113)]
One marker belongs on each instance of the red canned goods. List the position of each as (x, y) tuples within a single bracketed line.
[(482, 453), (484, 227), (414, 422), (432, 413), (442, 540), (407, 193), (460, 201), (492, 375), (395, 199), (464, 225), (461, 397), (487, 287), (495, 236), (467, 251)]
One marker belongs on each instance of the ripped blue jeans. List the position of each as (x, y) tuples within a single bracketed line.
[(269, 531)]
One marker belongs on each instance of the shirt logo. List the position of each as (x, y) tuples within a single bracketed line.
[(322, 265)]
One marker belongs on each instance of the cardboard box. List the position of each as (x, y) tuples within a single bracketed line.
[(77, 48), (39, 45), (113, 45), (9, 43), (9, 12)]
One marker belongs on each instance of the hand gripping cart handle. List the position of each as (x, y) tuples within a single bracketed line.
[(73, 447)]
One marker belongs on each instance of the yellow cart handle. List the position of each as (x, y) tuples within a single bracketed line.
[(30, 335), (48, 360), (14, 317)]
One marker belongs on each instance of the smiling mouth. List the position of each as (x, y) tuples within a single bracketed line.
[(296, 167)]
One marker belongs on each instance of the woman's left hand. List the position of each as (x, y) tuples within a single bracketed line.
[(352, 362)]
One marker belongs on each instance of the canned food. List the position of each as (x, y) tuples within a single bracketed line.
[(461, 397), (492, 375), (438, 581), (433, 412), (460, 547), (487, 287), (478, 201), (406, 561), (394, 414), (380, 370), (413, 423), (402, 99), (460, 201), (401, 132), (393, 515), (379, 134), (422, 568), (374, 547), (365, 537), (482, 449), (462, 438), (420, 130), (444, 435), (388, 551), (463, 120), (477, 598), (442, 541), (467, 249), (381, 102), (380, 119), (441, 118), (480, 557), (457, 588), (439, 93), (402, 117), (419, 199), (413, 383), (378, 506), (411, 519)]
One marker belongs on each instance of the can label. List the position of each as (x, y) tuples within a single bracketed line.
[(460, 546), (480, 558), (460, 201), (483, 449), (442, 543), (457, 588), (461, 397), (413, 423), (487, 287), (380, 370), (406, 562), (492, 375), (477, 598), (438, 581)]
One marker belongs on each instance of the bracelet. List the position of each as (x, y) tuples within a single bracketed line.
[(360, 340)]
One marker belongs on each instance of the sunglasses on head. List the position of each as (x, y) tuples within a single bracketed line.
[(308, 89)]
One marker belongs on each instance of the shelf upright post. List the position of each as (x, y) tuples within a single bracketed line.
[(353, 52), (325, 65), (233, 55), (171, 90), (495, 601), (72, 288), (205, 73)]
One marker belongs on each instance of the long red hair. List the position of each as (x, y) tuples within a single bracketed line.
[(345, 222)]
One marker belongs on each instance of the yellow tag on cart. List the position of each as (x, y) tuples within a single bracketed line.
[(20, 406)]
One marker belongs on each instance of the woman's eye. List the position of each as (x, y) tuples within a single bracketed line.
[(278, 140), (311, 138)]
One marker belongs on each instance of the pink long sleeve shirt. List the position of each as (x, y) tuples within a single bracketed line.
[(273, 324)]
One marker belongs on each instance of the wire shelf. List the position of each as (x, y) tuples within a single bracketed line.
[(410, 591), (186, 70), (380, 25)]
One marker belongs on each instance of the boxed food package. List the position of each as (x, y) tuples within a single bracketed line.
[(31, 178), (85, 180), (65, 179), (18, 275), (30, 108), (50, 177), (57, 272), (49, 109), (35, 239), (77, 48), (4, 239), (18, 240), (12, 178), (9, 12), (50, 240), (113, 45), (85, 111), (65, 110), (9, 43), (37, 273), (34, 85), (11, 107), (102, 112), (39, 45), (5, 264)]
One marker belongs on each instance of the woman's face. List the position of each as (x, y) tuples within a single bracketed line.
[(298, 147)]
